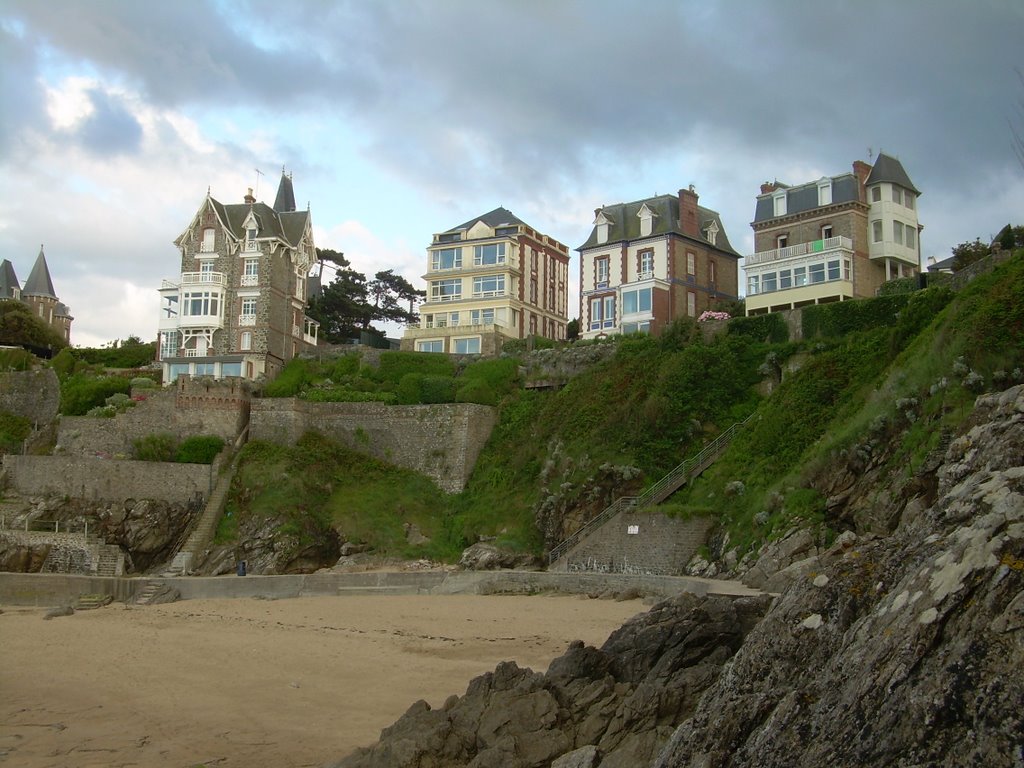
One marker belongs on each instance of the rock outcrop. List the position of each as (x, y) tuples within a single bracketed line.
[(906, 650), (614, 706)]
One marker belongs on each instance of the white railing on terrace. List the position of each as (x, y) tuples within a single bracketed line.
[(802, 249), (209, 278), (47, 526)]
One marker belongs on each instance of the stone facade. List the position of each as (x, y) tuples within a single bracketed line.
[(107, 480), (439, 441), (34, 395), (641, 543)]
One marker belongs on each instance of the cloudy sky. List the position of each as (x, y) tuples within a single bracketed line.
[(401, 118)]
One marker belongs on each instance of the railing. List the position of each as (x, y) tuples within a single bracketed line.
[(658, 492), (802, 249), (210, 278), (247, 319), (49, 526), (250, 280)]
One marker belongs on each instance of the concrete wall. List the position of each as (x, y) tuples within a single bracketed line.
[(659, 545), (439, 441), (34, 395), (106, 479)]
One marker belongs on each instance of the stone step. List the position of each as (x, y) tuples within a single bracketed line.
[(91, 601)]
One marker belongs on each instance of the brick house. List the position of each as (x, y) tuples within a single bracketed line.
[(38, 294), (491, 279), (833, 239), (650, 261), (238, 306)]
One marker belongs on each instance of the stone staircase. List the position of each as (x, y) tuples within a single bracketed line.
[(661, 490), (91, 601), (204, 529)]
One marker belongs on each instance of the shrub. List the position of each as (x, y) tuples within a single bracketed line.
[(844, 317), (80, 392), (157, 447), (346, 395), (394, 366), (476, 391), (16, 360), (346, 365), (770, 328), (199, 449), (292, 379), (13, 431), (142, 382)]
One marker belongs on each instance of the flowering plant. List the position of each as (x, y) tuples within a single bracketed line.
[(709, 315)]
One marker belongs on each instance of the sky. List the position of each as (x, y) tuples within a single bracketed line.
[(401, 118)]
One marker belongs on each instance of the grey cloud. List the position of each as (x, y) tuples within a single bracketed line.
[(111, 129), (21, 103)]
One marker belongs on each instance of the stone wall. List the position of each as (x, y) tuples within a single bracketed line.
[(439, 441), (107, 479), (199, 407), (34, 395), (657, 545)]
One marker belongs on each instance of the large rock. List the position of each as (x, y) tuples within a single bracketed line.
[(616, 705), (484, 556), (900, 651)]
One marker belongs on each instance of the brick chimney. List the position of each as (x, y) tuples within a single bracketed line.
[(861, 170), (249, 199), (688, 222), (768, 187)]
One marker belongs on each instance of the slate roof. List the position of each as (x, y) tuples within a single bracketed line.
[(288, 226), (625, 224), (889, 169), (805, 197), (499, 217), (8, 280), (39, 282), (285, 200)]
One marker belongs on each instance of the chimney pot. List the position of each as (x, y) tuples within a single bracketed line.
[(688, 212), (249, 197)]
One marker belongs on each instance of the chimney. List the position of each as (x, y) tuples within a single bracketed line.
[(768, 187), (861, 170), (249, 199), (688, 212)]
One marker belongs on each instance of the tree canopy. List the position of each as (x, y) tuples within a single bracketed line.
[(20, 327), (350, 303)]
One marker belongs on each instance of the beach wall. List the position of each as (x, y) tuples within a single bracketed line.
[(439, 441)]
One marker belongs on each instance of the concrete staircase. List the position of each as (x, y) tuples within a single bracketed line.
[(661, 490), (108, 558), (91, 601), (204, 529)]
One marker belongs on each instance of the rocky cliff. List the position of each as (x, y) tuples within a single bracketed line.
[(897, 650)]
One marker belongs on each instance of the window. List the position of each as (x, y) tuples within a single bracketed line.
[(602, 232), (169, 344), (636, 301), (826, 232), (691, 263), (198, 303), (250, 240), (817, 273), (712, 276), (876, 231), (646, 264), (833, 269), (769, 282), (449, 237), (753, 284), (446, 258), (482, 316), (435, 345), (691, 303), (825, 192), (779, 202), (209, 239), (897, 194), (446, 290), (506, 231), (533, 259), (251, 272), (231, 370), (876, 194), (602, 313), (846, 269), (643, 327), (467, 346), (533, 289), (646, 221), (782, 241), (910, 236), (248, 314), (245, 341), (601, 272), (908, 199), (204, 369), (487, 255), (205, 271), (897, 232), (489, 285), (453, 319), (799, 276), (785, 279)]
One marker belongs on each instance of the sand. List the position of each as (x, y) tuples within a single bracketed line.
[(253, 683)]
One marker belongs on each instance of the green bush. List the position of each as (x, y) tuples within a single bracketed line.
[(394, 366), (290, 381), (476, 391), (16, 360), (13, 431), (80, 392), (842, 318), (770, 328), (199, 449), (346, 395), (142, 382), (157, 447), (64, 362), (346, 365), (501, 376), (899, 285), (131, 353)]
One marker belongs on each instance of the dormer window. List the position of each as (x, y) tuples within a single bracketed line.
[(779, 202), (251, 227), (209, 239), (712, 232), (825, 191), (646, 216), (602, 223), (250, 239)]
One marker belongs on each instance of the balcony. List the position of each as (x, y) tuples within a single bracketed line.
[(203, 278), (244, 320), (250, 280), (196, 321), (812, 248)]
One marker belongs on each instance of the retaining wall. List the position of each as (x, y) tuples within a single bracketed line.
[(107, 479), (33, 395), (638, 542), (439, 441)]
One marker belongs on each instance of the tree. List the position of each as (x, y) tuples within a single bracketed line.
[(387, 291), (342, 308), (968, 253), (19, 326)]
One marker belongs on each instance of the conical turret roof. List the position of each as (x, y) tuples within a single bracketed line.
[(39, 282)]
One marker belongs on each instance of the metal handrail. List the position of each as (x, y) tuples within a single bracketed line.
[(658, 492)]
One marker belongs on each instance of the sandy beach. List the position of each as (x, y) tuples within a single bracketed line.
[(248, 682)]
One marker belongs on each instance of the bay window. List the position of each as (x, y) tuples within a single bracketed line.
[(487, 255), (446, 290), (489, 285), (636, 301)]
